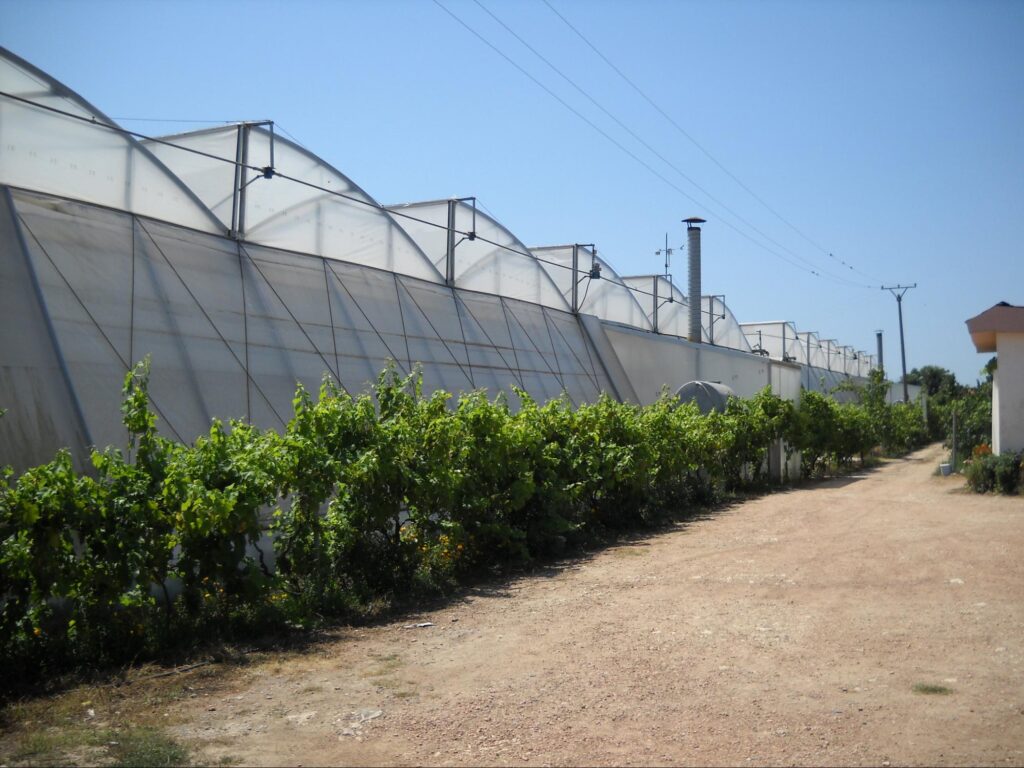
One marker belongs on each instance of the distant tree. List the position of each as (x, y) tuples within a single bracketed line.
[(989, 371), (938, 383)]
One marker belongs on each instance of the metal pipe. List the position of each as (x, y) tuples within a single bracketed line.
[(236, 192), (878, 342), (244, 185), (575, 279), (693, 252), (449, 258), (654, 294)]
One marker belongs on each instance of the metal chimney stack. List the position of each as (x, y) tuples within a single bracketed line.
[(693, 251)]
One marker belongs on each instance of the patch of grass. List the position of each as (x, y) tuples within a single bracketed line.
[(42, 748), (78, 745), (386, 665), (147, 746), (931, 689)]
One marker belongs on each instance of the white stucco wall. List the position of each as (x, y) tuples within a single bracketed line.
[(1008, 394), (652, 362)]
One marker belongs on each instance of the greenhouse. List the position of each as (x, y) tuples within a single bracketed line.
[(244, 265)]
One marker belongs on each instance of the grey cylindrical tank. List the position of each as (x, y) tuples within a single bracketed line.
[(708, 395)]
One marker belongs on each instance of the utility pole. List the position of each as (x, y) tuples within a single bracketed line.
[(898, 291)]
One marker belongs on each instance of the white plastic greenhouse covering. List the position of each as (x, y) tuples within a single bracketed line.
[(112, 250), (776, 339), (673, 308), (48, 151), (344, 223), (606, 296), (722, 328), (232, 327), (493, 260), (815, 351)]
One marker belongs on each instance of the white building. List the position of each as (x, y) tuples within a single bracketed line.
[(1000, 329)]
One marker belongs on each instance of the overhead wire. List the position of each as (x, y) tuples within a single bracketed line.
[(698, 145), (637, 158), (814, 271), (639, 138)]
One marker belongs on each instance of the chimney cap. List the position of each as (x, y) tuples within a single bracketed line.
[(693, 221)]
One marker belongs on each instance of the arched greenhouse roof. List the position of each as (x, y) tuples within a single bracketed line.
[(316, 210), (814, 349), (493, 261), (56, 142), (721, 326), (673, 306), (778, 339), (608, 297)]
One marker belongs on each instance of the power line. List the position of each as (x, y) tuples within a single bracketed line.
[(641, 161), (636, 136), (697, 144)]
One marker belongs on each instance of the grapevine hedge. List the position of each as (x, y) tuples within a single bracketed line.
[(361, 502)]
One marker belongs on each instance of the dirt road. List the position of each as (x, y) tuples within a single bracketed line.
[(875, 619)]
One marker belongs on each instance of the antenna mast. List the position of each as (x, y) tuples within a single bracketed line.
[(667, 253)]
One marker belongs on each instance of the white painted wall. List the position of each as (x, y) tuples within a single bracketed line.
[(1008, 394), (652, 361)]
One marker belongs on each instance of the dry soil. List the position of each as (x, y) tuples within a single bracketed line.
[(875, 619)]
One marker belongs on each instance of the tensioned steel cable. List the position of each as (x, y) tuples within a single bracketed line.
[(401, 316), (697, 144), (533, 344), (330, 315), (213, 325), (511, 339), (591, 375), (490, 341), (439, 336), (99, 328), (296, 320), (551, 341), (369, 322)]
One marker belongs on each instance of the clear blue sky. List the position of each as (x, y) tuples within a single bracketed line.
[(890, 134)]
